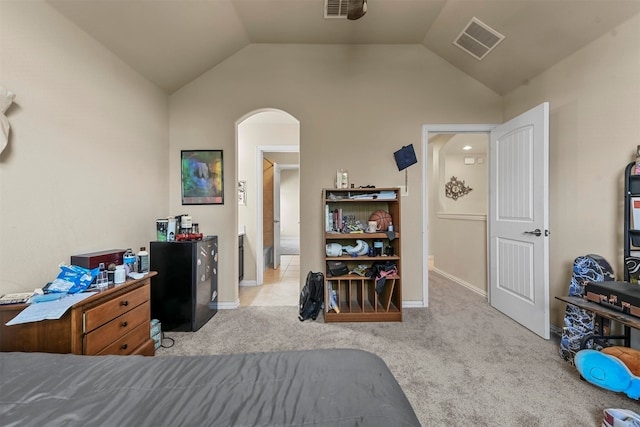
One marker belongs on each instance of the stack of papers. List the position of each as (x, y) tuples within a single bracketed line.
[(366, 196), (15, 298), (387, 195), (48, 310), (380, 195)]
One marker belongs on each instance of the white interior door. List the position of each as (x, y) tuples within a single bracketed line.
[(276, 216), (519, 219)]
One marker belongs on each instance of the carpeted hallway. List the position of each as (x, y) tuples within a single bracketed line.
[(290, 245)]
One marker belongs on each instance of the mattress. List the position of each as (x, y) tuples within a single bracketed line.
[(339, 387)]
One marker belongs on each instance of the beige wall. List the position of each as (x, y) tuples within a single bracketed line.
[(86, 166), (475, 176), (594, 100), (356, 106)]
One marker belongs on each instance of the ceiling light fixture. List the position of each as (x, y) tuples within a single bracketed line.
[(467, 147)]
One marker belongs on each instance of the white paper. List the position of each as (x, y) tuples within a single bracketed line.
[(49, 310)]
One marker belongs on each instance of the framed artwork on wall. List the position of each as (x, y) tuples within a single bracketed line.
[(202, 178)]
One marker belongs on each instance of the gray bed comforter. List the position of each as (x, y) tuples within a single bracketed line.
[(295, 388)]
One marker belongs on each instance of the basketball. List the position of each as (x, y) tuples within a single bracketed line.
[(383, 218)]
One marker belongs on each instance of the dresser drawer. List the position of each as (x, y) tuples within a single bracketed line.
[(130, 342), (103, 313), (117, 328)]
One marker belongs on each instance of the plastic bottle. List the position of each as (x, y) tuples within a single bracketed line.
[(119, 275), (378, 246), (102, 281), (342, 178), (143, 260), (130, 261)]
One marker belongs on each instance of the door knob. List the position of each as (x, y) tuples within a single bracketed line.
[(535, 232)]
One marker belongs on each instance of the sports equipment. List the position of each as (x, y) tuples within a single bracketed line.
[(383, 218), (333, 249), (361, 248), (579, 323)]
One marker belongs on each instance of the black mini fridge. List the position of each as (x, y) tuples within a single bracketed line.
[(184, 294)]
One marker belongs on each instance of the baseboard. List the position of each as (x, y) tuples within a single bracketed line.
[(228, 305), (460, 282), (413, 304), (248, 283)]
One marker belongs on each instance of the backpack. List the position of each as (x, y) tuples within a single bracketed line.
[(311, 296)]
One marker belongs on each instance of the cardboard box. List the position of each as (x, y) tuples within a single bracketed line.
[(157, 340), (155, 330)]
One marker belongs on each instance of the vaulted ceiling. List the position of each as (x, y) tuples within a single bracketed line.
[(171, 42)]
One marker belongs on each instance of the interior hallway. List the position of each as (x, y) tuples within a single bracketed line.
[(281, 286)]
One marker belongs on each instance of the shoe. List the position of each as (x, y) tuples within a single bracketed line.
[(620, 418), (607, 372)]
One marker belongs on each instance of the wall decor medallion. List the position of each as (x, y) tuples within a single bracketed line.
[(455, 188)]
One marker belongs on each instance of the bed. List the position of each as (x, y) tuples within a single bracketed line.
[(341, 387)]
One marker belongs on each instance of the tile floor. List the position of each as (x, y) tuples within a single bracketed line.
[(281, 286)]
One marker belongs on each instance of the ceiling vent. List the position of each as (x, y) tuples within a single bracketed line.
[(335, 8), (478, 39)]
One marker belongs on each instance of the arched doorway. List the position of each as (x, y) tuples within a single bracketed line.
[(266, 139)]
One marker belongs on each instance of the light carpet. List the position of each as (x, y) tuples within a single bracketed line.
[(290, 246), (459, 361)]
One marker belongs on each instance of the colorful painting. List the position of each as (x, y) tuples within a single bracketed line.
[(202, 182)]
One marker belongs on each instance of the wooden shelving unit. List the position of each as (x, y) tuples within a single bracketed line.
[(357, 298)]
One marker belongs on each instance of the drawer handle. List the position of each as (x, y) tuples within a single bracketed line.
[(124, 346), (124, 324), (124, 303)]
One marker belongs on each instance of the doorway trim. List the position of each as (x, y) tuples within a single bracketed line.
[(426, 130), (260, 150), (277, 207)]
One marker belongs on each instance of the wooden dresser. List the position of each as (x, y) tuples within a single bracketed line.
[(113, 321)]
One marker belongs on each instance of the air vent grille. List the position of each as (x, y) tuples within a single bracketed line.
[(335, 8), (478, 39)]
